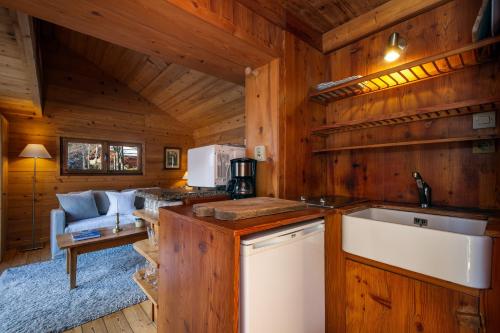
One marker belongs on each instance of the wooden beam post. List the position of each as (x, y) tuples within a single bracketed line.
[(389, 13), (26, 37), (262, 112)]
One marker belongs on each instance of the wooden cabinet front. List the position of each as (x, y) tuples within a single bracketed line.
[(382, 301)]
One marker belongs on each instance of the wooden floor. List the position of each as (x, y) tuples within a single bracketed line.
[(134, 319)]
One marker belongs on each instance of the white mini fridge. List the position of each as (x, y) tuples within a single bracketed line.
[(283, 280)]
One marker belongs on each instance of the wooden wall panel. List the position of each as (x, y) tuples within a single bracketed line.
[(457, 177), (263, 105), (228, 131), (280, 116), (84, 102), (301, 171)]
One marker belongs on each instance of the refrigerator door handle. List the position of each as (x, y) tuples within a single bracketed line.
[(287, 237), (310, 230), (276, 240)]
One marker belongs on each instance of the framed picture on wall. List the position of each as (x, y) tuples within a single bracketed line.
[(172, 158)]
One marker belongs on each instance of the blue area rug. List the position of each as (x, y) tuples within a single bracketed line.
[(36, 297)]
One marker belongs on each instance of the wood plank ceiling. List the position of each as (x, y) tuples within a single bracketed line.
[(310, 19), (194, 98), (19, 79), (219, 37)]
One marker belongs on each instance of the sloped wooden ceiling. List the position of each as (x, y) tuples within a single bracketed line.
[(309, 19), (219, 37), (19, 76), (194, 98)]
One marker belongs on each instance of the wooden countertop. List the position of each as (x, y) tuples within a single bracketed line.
[(248, 226)]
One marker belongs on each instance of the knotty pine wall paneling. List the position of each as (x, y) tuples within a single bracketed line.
[(228, 131), (82, 102), (263, 104), (301, 171), (280, 116), (457, 177)]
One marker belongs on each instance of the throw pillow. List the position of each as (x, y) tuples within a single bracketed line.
[(78, 206), (101, 201), (121, 202), (139, 201)]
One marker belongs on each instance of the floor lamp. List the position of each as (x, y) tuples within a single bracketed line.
[(34, 151)]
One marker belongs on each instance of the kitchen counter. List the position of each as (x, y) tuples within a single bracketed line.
[(199, 272), (246, 226)]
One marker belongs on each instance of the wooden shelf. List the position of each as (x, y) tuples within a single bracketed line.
[(148, 251), (148, 289), (147, 216), (421, 114), (409, 143), (415, 71)]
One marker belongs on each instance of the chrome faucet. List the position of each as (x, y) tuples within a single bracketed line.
[(424, 191)]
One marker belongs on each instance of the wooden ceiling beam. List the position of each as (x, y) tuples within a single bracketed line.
[(20, 72), (26, 37), (276, 13), (215, 42), (383, 16)]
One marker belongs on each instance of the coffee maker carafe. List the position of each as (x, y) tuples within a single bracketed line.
[(242, 182)]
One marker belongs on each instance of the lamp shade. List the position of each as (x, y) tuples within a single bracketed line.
[(35, 150), (185, 177)]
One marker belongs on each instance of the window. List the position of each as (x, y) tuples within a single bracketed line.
[(84, 156)]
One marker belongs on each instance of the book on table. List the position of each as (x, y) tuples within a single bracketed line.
[(85, 234)]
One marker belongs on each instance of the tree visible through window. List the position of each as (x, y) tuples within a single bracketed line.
[(123, 158), (84, 156), (81, 156)]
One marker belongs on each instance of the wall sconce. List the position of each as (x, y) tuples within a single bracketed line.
[(396, 44)]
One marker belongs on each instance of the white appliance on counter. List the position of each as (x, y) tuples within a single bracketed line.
[(208, 166), (283, 280)]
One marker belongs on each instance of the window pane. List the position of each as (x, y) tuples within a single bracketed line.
[(84, 156), (123, 158)]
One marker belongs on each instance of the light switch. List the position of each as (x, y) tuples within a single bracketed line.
[(483, 147), (483, 120), (260, 153)]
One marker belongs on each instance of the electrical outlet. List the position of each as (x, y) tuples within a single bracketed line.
[(483, 120), (260, 153), (483, 147)]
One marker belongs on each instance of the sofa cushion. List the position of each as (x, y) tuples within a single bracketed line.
[(139, 201), (98, 222), (101, 201), (122, 202), (78, 206)]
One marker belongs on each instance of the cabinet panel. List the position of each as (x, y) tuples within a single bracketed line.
[(381, 301)]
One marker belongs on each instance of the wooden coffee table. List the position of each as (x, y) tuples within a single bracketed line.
[(129, 234)]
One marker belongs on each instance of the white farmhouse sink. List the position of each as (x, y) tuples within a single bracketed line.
[(449, 248)]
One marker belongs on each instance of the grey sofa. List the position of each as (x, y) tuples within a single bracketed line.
[(59, 225)]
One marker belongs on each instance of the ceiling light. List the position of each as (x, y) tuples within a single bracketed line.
[(396, 44)]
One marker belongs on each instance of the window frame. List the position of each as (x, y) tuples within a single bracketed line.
[(105, 156)]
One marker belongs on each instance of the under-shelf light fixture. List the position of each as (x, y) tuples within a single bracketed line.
[(396, 44)]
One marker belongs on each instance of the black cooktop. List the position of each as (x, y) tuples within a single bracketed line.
[(334, 201)]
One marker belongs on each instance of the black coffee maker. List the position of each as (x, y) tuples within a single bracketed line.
[(242, 182)]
